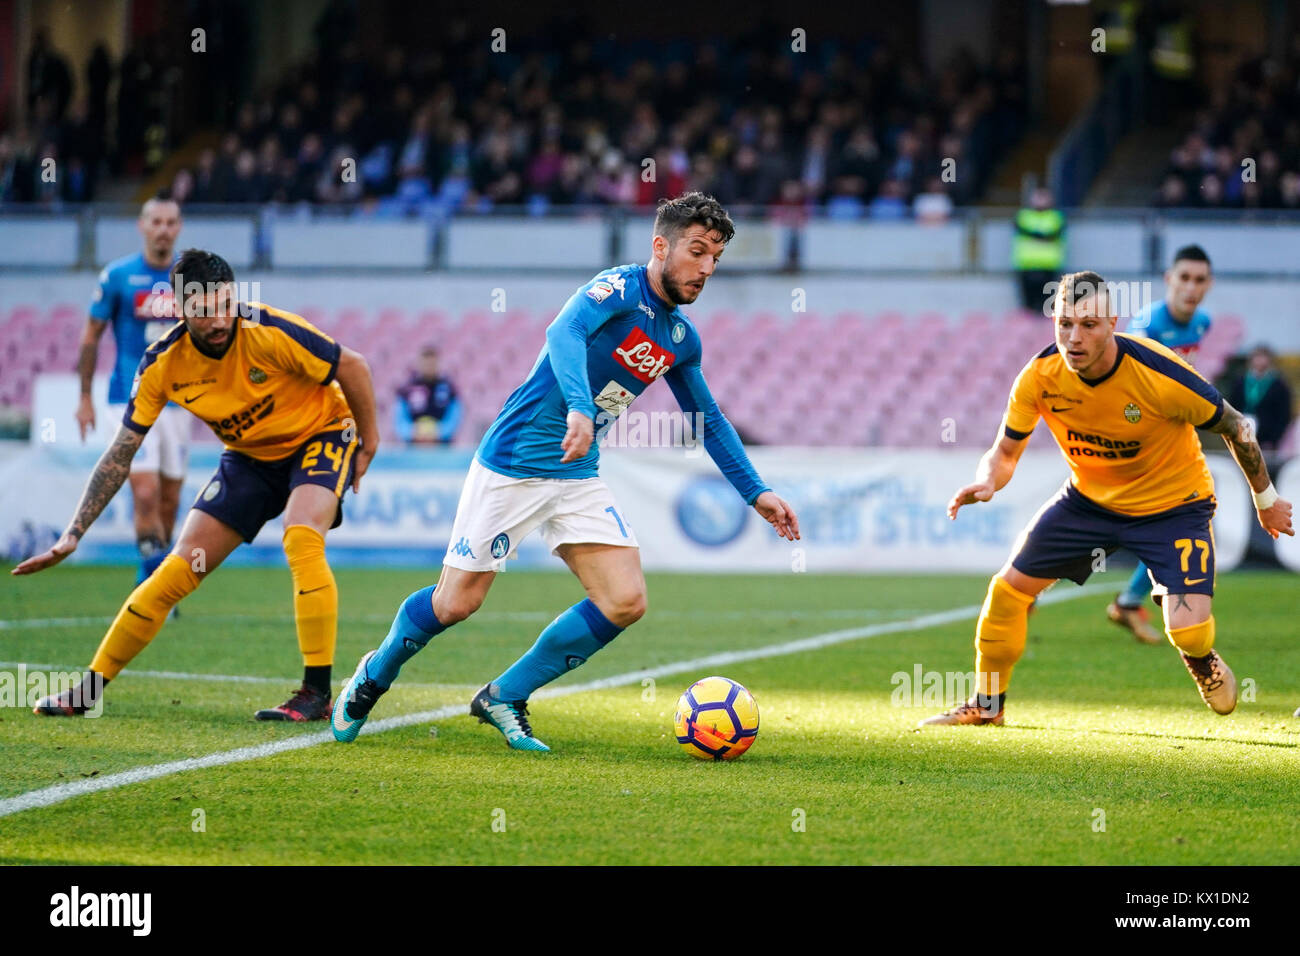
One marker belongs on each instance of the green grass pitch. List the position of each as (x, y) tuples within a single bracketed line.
[(1100, 732)]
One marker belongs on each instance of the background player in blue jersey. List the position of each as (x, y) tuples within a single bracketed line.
[(536, 469), (1177, 322), (134, 297)]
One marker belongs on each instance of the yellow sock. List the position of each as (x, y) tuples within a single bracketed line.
[(143, 614), (315, 596), (1194, 641), (1000, 636)]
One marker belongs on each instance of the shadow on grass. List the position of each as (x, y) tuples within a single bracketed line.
[(1208, 738)]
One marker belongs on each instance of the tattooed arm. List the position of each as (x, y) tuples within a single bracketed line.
[(1239, 435), (109, 475)]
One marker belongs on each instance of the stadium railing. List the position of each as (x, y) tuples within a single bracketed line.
[(1086, 146), (975, 240)]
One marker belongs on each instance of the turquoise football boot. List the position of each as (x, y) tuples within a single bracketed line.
[(352, 706), (508, 716)]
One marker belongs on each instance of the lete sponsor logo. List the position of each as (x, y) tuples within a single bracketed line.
[(646, 360)]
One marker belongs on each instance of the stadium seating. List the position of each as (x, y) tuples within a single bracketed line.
[(845, 379)]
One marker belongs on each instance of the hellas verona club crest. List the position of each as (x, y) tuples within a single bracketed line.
[(1132, 413), (257, 376)]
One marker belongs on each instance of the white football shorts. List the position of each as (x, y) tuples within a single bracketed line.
[(496, 512), (166, 446)]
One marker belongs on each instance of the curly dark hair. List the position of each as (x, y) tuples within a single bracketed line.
[(689, 209), (207, 269)]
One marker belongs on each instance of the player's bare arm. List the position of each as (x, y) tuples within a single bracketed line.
[(994, 471), (578, 437), (1238, 434), (87, 358), (353, 376), (109, 475)]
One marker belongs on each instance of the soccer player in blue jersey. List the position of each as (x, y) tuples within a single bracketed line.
[(134, 297), (536, 468), (1179, 323)]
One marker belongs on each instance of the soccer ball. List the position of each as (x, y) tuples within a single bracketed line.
[(716, 719)]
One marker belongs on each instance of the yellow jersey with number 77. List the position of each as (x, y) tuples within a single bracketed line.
[(1129, 436)]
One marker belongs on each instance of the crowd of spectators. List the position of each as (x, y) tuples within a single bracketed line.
[(860, 133), (1243, 150), (69, 120), (859, 130)]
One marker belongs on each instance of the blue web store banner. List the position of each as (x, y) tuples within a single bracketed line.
[(865, 510)]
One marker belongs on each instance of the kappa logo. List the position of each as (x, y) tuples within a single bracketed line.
[(646, 360), (605, 285), (462, 548), (615, 281)]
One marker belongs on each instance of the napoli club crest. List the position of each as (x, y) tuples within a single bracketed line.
[(500, 545), (1133, 413), (679, 333), (256, 376)]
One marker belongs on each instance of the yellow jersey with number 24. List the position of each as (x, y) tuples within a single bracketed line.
[(272, 389)]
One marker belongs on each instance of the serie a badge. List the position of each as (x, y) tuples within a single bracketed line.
[(1133, 413), (257, 377)]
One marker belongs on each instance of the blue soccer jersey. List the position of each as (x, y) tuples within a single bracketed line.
[(137, 300), (611, 340), (1157, 322)]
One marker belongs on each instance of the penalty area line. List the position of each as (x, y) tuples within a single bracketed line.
[(59, 793)]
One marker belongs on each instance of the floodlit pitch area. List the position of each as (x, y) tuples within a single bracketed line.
[(1108, 756)]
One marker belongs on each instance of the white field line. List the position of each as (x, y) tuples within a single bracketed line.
[(487, 617), (58, 793), (215, 678)]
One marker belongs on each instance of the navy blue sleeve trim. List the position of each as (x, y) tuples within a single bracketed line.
[(1013, 434), (169, 339), (1179, 373), (126, 420), (315, 343), (334, 366), (1213, 419)]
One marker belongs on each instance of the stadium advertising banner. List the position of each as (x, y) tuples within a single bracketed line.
[(864, 510), (859, 510)]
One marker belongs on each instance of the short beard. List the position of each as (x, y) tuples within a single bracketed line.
[(206, 350), (675, 292)]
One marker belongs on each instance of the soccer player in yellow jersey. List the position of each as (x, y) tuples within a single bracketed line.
[(1124, 412), (296, 412)]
